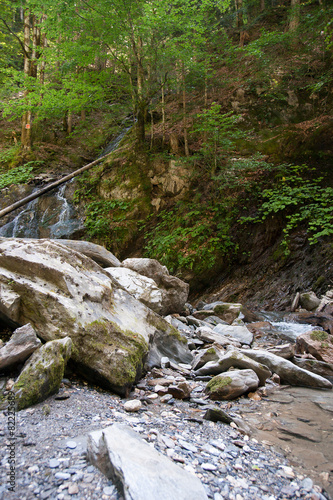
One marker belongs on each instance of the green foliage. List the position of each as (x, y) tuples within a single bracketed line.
[(190, 237), (18, 175), (302, 202), (107, 220)]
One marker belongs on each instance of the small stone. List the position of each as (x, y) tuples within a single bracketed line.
[(165, 362), (208, 466), (188, 446), (73, 489), (109, 490), (54, 463), (167, 398), (71, 444), (133, 405), (307, 484), (62, 475)]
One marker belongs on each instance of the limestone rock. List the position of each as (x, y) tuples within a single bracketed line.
[(286, 351), (42, 374), (313, 365), (22, 343), (229, 311), (287, 371), (138, 470), (63, 292), (141, 287), (317, 343), (175, 291), (238, 333), (210, 336), (232, 384), (213, 353), (238, 360), (309, 301), (96, 252)]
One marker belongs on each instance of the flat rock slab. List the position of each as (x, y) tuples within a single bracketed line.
[(139, 471)]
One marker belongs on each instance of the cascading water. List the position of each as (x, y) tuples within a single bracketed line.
[(51, 215), (285, 328)]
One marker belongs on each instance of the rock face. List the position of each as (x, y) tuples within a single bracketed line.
[(22, 343), (138, 470), (232, 384), (63, 293), (42, 374), (317, 343), (287, 371), (141, 287), (175, 291)]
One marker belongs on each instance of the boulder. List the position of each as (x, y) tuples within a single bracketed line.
[(138, 470), (175, 291), (318, 343), (238, 360), (213, 353), (286, 351), (96, 252), (42, 374), (64, 293), (315, 366), (141, 287), (229, 311), (237, 333), (232, 384), (211, 336), (22, 343), (287, 371), (309, 301)]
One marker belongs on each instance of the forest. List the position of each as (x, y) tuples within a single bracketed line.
[(237, 95)]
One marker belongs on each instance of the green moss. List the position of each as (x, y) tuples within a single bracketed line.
[(211, 350), (319, 335), (162, 325), (123, 350), (217, 383)]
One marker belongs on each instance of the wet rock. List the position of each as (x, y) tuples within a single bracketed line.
[(317, 343), (287, 371), (237, 333), (175, 291), (22, 343), (139, 471), (238, 360), (325, 321), (232, 384), (42, 374)]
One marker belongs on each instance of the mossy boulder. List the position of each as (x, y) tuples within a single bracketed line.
[(318, 343), (42, 374), (62, 292), (232, 384)]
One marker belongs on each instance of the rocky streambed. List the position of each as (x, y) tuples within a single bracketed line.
[(211, 399)]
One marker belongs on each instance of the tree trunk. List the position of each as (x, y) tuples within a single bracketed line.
[(294, 15), (163, 116), (262, 5), (26, 118), (187, 153)]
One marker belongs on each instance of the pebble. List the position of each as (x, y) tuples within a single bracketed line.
[(230, 466), (133, 405)]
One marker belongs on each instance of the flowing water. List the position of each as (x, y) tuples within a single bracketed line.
[(52, 215), (284, 327)]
